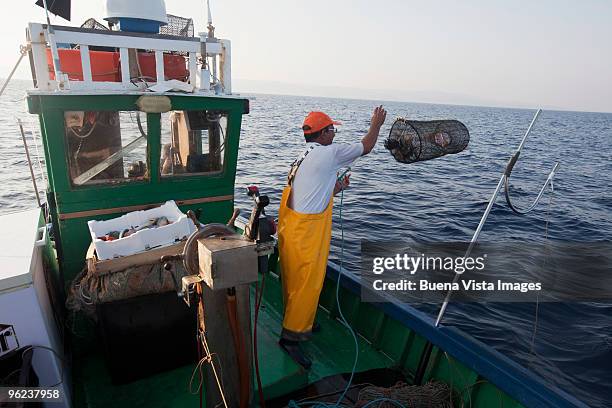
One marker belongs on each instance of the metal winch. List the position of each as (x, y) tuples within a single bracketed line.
[(221, 265)]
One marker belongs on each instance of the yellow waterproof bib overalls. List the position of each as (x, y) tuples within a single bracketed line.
[(303, 243)]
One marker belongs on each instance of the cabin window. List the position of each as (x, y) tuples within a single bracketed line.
[(106, 147), (193, 142)]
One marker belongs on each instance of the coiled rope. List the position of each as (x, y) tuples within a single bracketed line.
[(430, 395)]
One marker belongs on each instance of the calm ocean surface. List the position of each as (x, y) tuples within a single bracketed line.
[(441, 201)]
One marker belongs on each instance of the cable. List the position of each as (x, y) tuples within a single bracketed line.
[(537, 306), (348, 326), (142, 132), (222, 146), (199, 348), (198, 367), (188, 263), (258, 299), (321, 404), (88, 133), (140, 76), (208, 357), (31, 349)]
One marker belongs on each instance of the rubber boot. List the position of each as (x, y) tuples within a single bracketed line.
[(294, 350)]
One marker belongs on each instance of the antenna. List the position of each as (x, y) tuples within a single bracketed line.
[(209, 13), (211, 28), (47, 12)]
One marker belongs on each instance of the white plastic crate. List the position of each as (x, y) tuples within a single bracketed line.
[(142, 240)]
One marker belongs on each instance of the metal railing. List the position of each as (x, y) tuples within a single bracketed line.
[(202, 54)]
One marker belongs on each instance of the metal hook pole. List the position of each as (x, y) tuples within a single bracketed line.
[(424, 360), (511, 165), (549, 180), (533, 121), (472, 243), (502, 181)]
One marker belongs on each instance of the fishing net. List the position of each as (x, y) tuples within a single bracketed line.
[(430, 395), (177, 26), (411, 140), (90, 288)]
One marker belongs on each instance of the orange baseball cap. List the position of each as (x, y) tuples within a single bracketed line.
[(316, 121)]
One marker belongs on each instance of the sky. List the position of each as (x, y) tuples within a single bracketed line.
[(515, 53)]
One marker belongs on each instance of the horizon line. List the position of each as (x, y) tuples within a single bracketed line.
[(398, 100)]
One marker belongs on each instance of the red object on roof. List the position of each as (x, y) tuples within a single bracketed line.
[(106, 65), (175, 66)]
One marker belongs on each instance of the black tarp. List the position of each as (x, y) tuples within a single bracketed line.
[(58, 7)]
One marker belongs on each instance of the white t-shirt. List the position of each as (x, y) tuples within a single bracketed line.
[(316, 177)]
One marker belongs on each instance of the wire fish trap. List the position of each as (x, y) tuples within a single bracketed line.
[(93, 24), (177, 26), (411, 140)]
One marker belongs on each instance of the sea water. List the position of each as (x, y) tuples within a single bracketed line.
[(442, 200)]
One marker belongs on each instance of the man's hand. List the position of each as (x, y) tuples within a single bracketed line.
[(342, 185), (378, 118), (369, 140)]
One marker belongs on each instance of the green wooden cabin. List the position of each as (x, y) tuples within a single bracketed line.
[(117, 189)]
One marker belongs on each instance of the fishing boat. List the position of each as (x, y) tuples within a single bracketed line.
[(130, 119)]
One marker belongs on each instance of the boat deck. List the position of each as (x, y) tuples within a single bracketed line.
[(332, 351)]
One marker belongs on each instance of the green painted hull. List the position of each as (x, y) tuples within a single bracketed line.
[(383, 343)]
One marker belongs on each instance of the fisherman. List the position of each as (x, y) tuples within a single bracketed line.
[(305, 221)]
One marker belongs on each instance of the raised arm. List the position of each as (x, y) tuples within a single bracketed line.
[(369, 140)]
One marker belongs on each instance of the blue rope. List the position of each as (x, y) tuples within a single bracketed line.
[(344, 321), (321, 404)]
